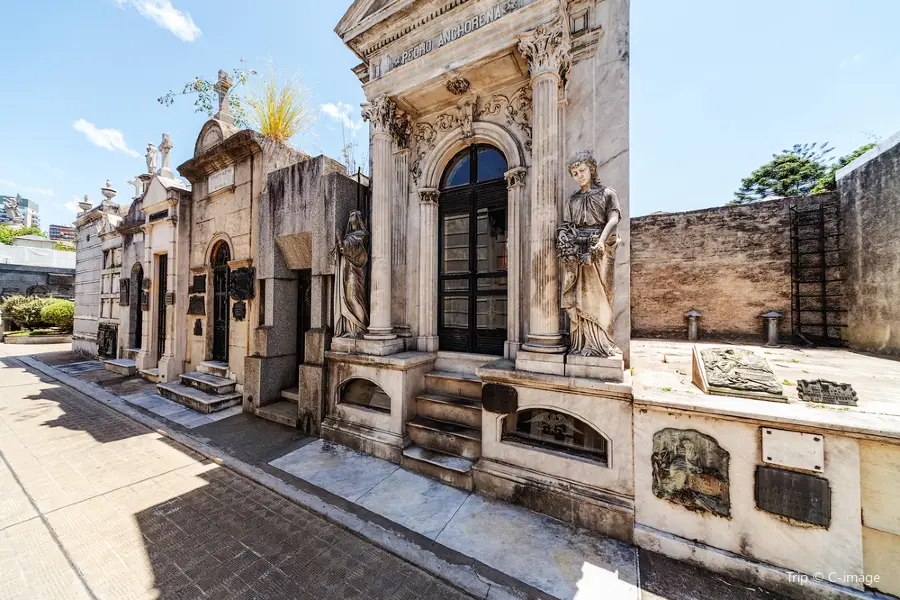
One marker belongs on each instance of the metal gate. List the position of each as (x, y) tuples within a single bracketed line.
[(817, 276), (221, 276), (161, 303)]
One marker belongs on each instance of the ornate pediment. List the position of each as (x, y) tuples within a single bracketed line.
[(362, 11)]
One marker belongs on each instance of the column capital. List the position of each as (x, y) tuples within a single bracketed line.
[(515, 178), (546, 49), (429, 195), (380, 113)]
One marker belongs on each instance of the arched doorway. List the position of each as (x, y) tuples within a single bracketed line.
[(135, 313), (220, 256), (472, 252)]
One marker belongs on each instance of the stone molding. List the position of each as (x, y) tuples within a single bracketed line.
[(380, 113), (516, 109), (546, 49), (515, 178)]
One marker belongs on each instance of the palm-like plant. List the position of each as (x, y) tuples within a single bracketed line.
[(279, 110)]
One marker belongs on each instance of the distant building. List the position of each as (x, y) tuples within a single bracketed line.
[(62, 233)]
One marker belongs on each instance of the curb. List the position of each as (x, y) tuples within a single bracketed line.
[(463, 577)]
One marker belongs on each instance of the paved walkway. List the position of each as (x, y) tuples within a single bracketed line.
[(95, 506)]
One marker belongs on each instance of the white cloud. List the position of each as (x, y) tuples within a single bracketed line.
[(27, 189), (341, 112), (166, 16), (111, 139), (73, 205), (849, 62)]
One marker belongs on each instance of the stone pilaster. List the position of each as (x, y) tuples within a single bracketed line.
[(145, 358), (427, 340), (400, 207), (515, 181), (547, 51), (380, 113)]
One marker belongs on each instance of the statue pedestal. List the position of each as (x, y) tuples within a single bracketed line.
[(370, 347), (611, 368), (538, 362)]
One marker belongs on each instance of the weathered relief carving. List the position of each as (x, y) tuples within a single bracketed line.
[(736, 371), (467, 115), (424, 138), (515, 178), (380, 113), (691, 469), (586, 244), (240, 283), (827, 392), (516, 109), (401, 129), (457, 85), (353, 254)]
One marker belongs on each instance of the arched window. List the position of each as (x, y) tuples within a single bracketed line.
[(365, 393), (552, 430)]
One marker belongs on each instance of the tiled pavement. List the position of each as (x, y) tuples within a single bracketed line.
[(96, 506)]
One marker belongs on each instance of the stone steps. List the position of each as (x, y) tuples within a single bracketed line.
[(214, 367), (454, 470), (451, 409), (284, 412), (453, 384), (198, 399), (121, 366), (449, 438), (151, 375), (291, 395), (205, 382), (132, 353)]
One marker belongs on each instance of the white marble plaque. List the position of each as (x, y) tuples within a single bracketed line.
[(793, 449), (221, 180)]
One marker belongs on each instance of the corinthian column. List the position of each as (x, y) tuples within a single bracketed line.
[(546, 49), (380, 113)]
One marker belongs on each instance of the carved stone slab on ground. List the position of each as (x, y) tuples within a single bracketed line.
[(737, 372), (822, 391)]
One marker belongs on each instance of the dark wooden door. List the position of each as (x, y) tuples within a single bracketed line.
[(472, 232), (304, 313), (161, 305), (137, 297), (221, 273)]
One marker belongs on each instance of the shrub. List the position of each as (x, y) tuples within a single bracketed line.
[(60, 313), (25, 312), (10, 307)]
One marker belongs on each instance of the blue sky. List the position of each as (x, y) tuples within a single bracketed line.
[(716, 86)]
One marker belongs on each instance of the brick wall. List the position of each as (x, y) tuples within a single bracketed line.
[(732, 263)]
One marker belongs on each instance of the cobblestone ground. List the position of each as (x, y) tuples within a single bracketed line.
[(95, 506)]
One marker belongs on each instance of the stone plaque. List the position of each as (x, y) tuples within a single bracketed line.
[(107, 338), (827, 392), (735, 372), (198, 327), (199, 285), (240, 283), (221, 180), (124, 296), (798, 496), (197, 305), (239, 310), (145, 300), (691, 469), (170, 298), (793, 449), (500, 399), (146, 283)]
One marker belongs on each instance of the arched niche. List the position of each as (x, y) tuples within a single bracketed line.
[(364, 393), (554, 431)]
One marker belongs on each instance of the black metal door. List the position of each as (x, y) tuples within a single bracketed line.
[(304, 313), (221, 273), (472, 250), (161, 304), (137, 297)]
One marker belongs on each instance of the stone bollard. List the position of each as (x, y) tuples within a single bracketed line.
[(771, 318), (693, 317)]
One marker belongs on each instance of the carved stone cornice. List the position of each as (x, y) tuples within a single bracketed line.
[(380, 113), (546, 48), (401, 129), (429, 195), (515, 178)]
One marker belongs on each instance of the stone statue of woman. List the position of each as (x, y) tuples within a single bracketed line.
[(586, 243), (354, 254)]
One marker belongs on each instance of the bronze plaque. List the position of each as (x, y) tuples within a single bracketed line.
[(145, 300), (827, 392), (239, 310), (146, 283), (198, 327), (691, 469), (197, 305), (199, 285), (124, 296), (798, 496), (240, 283), (170, 298), (500, 399)]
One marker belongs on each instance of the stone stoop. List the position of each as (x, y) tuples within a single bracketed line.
[(121, 366), (151, 375), (131, 353), (291, 395), (446, 432), (201, 391), (284, 412), (214, 367)]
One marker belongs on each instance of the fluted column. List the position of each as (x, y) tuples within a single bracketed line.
[(515, 183), (380, 113), (400, 200), (546, 50), (427, 340)]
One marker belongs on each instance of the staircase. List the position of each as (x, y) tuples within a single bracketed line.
[(284, 411), (446, 432), (206, 390)]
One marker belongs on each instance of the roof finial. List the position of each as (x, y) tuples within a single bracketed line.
[(223, 85)]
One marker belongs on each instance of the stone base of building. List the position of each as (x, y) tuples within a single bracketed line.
[(373, 347), (594, 509), (379, 443), (83, 345)]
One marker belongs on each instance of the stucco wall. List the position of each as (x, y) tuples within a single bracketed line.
[(870, 203), (732, 263)]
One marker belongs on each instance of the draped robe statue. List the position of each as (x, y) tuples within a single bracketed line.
[(586, 243), (354, 254)]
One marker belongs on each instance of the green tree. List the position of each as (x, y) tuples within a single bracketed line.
[(8, 232), (25, 312), (828, 183), (207, 94), (790, 173), (64, 246), (59, 313)]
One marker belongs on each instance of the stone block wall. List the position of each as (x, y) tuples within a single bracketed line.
[(732, 263), (870, 203)]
